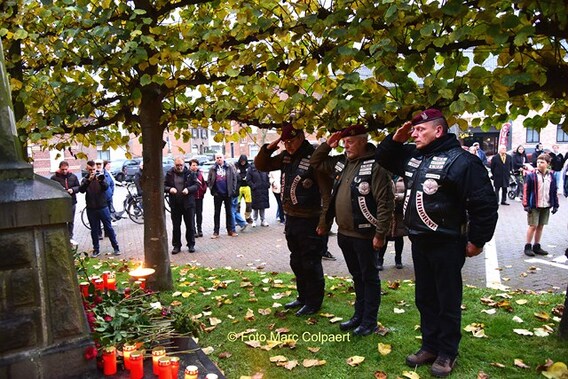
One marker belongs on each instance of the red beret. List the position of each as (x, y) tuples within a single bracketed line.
[(427, 115), (353, 130), (289, 132)]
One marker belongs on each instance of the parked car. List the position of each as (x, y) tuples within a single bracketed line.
[(131, 171), (200, 158)]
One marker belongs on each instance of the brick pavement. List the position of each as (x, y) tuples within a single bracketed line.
[(265, 248)]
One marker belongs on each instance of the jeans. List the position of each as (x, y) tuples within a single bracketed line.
[(237, 218), (96, 216)]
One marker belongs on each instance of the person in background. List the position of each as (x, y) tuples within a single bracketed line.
[(362, 204), (501, 167), (138, 179), (244, 191), (70, 183), (450, 212), (304, 195), (480, 153), (259, 183), (274, 177), (519, 159), (222, 182), (94, 186), (556, 163), (540, 195), (181, 185), (397, 230), (199, 195), (538, 149)]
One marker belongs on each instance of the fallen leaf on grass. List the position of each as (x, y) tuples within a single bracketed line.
[(249, 316), (497, 364), (214, 321), (290, 365), (541, 332), (482, 375), (476, 329), (208, 350), (519, 363), (282, 330), (491, 311), (254, 344), (313, 362), (393, 285), (265, 312), (542, 316), (384, 349), (278, 358), (335, 319), (380, 375), (557, 370), (558, 310), (355, 360), (521, 301), (314, 349), (398, 311), (225, 355), (327, 315), (411, 374), (518, 319), (523, 332)]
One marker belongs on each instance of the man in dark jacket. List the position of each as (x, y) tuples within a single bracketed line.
[(94, 185), (362, 203), (70, 182), (199, 195), (501, 167), (305, 197), (222, 182), (450, 212), (181, 185)]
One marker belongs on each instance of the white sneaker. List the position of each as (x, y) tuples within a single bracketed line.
[(517, 198), (253, 224), (73, 242), (264, 223)]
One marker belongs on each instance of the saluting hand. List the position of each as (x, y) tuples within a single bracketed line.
[(333, 141), (403, 133), (274, 144), (471, 250)]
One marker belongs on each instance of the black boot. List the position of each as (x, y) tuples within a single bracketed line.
[(528, 250), (538, 250), (380, 266)]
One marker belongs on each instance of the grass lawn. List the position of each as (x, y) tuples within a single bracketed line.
[(247, 331)]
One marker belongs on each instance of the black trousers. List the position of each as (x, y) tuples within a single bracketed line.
[(437, 268), (305, 259), (217, 202), (503, 194), (188, 216), (199, 214), (362, 262)]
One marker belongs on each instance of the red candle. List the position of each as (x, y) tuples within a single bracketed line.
[(105, 277), (99, 285), (111, 283), (84, 288), (142, 283), (164, 366), (127, 349), (136, 365), (109, 360), (157, 353), (175, 366)]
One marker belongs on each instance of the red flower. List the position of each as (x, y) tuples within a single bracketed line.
[(108, 318), (98, 300), (90, 353)]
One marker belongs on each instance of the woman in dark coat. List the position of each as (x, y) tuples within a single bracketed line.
[(259, 184), (519, 160), (398, 230)]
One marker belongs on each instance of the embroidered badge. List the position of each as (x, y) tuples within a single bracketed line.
[(307, 183), (430, 186), (364, 188)]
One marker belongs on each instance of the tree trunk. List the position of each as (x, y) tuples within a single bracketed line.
[(563, 326), (155, 235)]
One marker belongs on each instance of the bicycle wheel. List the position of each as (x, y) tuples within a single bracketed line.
[(85, 219), (136, 211)]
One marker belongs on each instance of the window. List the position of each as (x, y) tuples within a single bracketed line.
[(194, 133), (204, 133), (533, 136), (561, 135)]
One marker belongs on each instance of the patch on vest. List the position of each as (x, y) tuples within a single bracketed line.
[(364, 188), (413, 162), (366, 213), (422, 212), (437, 163), (293, 186), (430, 186), (307, 183)]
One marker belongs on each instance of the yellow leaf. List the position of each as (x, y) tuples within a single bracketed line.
[(523, 332), (175, 294), (520, 363), (278, 358), (521, 301), (249, 315), (384, 349), (398, 311), (314, 349), (335, 319), (542, 316), (355, 360), (291, 365), (557, 370), (253, 343), (214, 321), (185, 295), (411, 374), (310, 362)]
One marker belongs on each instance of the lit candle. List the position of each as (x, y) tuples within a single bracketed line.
[(191, 372), (105, 278), (211, 376), (109, 360), (142, 283), (111, 283), (136, 365), (84, 288), (157, 353), (175, 366), (126, 350), (164, 367), (93, 278)]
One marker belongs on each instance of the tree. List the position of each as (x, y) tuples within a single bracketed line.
[(83, 69)]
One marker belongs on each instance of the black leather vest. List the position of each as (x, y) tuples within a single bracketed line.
[(363, 204), (429, 204), (299, 186)]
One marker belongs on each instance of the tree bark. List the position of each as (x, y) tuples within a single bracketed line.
[(155, 235), (563, 326)]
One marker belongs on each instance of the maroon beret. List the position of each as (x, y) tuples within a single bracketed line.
[(427, 115), (289, 132), (353, 130)]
